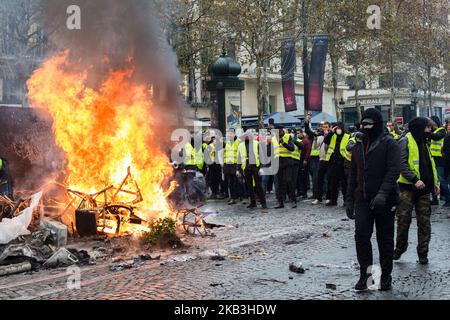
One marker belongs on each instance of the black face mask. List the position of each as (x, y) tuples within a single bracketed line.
[(427, 135), (367, 132), (373, 132)]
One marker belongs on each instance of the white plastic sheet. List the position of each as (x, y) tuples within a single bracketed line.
[(11, 229)]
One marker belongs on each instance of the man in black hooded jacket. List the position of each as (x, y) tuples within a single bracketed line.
[(371, 196)]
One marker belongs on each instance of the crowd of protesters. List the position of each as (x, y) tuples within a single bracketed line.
[(382, 170)]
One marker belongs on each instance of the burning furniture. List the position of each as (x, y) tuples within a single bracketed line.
[(10, 208)]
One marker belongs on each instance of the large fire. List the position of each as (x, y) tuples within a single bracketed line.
[(104, 131)]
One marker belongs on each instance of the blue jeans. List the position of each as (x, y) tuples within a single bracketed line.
[(267, 183)]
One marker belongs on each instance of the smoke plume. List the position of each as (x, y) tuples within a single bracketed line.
[(115, 32)]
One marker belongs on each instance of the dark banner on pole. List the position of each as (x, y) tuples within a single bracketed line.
[(317, 72), (288, 63)]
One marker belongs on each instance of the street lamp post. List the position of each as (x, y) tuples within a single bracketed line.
[(226, 93)]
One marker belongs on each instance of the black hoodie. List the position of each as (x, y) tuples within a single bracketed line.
[(378, 129), (375, 165), (416, 128)]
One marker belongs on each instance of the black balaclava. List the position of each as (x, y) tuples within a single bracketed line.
[(417, 127), (377, 129)]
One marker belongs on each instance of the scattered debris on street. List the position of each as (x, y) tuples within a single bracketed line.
[(331, 286), (353, 266), (263, 281), (296, 269)]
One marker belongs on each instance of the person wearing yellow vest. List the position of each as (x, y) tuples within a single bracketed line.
[(391, 129), (285, 181), (437, 143), (303, 184), (296, 155), (248, 158), (214, 176), (189, 156), (337, 141), (314, 160), (318, 162), (268, 176), (417, 180), (199, 158), (230, 159)]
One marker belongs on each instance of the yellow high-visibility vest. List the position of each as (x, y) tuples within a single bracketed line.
[(231, 152), (244, 156), (396, 136), (414, 162), (296, 154), (282, 151), (436, 146), (345, 153), (210, 150), (199, 158), (343, 146), (315, 152)]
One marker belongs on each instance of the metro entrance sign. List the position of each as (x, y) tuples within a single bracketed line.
[(399, 120)]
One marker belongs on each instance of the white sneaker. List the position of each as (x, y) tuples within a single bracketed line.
[(328, 202), (316, 202)]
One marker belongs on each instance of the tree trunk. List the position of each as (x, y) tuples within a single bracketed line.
[(192, 85), (305, 62), (430, 102), (358, 109), (265, 92), (391, 70), (334, 79)]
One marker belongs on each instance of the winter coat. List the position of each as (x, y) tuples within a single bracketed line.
[(375, 168)]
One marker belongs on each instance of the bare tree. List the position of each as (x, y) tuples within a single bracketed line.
[(22, 42), (258, 28)]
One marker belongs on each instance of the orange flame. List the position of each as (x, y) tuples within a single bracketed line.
[(104, 131)]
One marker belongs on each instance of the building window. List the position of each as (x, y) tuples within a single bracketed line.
[(272, 104), (438, 112), (400, 80), (351, 82), (424, 112)]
